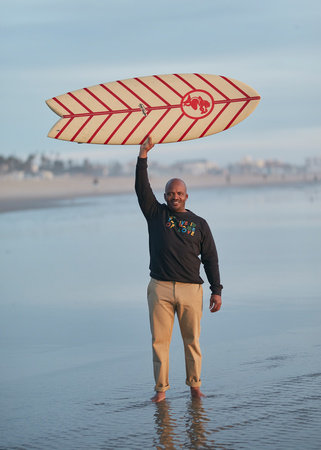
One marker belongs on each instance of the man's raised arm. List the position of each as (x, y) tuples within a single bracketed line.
[(146, 198)]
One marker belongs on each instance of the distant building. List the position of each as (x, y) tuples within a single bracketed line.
[(313, 165), (196, 167)]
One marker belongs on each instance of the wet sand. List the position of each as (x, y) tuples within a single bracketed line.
[(75, 341), (33, 193)]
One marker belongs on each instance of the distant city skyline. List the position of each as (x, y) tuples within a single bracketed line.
[(43, 165)]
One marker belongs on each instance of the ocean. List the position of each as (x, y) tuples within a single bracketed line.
[(76, 361)]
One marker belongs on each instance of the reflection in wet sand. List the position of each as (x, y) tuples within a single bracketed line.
[(169, 427), (196, 421), (165, 426)]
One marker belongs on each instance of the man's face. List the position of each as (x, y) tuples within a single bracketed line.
[(175, 195)]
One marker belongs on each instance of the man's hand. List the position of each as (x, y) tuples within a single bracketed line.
[(215, 303), (145, 147)]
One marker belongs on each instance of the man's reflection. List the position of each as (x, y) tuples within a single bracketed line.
[(165, 426), (170, 427), (196, 421)]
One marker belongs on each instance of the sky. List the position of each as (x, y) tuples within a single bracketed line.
[(48, 48)]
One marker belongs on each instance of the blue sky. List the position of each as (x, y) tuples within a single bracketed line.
[(49, 47)]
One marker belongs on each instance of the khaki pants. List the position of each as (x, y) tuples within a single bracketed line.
[(186, 299)]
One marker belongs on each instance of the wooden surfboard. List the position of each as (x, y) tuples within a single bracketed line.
[(170, 108)]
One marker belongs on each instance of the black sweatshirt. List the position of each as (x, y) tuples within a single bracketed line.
[(176, 239)]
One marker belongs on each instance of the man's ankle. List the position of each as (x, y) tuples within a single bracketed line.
[(196, 392), (158, 397)]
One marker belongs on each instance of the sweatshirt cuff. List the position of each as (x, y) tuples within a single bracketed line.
[(216, 290), (142, 162)]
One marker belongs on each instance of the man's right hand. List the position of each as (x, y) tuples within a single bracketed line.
[(145, 147), (215, 303)]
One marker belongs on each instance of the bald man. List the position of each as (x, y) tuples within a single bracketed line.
[(177, 238)]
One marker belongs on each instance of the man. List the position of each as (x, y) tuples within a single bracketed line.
[(177, 237)]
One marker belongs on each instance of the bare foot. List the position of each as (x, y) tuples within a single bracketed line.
[(196, 393), (158, 397)]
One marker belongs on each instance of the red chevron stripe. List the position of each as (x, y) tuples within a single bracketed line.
[(157, 123), (81, 128), (98, 129), (214, 120), (235, 86), (97, 98), (212, 85), (184, 81), (117, 128), (188, 129), (79, 101), (133, 130), (61, 104), (63, 128), (171, 128), (133, 93), (115, 95), (236, 115), (152, 90), (168, 86)]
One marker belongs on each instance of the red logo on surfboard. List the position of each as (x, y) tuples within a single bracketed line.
[(197, 104)]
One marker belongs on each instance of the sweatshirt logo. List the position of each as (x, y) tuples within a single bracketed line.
[(182, 226)]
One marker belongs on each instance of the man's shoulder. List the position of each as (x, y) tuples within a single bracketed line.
[(161, 212)]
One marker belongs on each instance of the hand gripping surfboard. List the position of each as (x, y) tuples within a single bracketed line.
[(170, 108)]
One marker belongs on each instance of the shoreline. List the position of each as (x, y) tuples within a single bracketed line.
[(35, 193)]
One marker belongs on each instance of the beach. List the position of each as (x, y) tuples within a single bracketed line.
[(76, 358), (32, 193)]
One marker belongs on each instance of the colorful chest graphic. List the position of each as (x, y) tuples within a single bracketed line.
[(182, 226), (170, 108)]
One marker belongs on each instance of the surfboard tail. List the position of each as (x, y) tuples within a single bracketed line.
[(76, 127), (54, 106), (57, 129)]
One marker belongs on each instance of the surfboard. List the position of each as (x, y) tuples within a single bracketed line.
[(170, 108)]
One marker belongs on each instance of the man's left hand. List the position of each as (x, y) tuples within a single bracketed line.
[(145, 147), (215, 303)]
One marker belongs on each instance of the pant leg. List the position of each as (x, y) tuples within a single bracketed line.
[(161, 315), (189, 298)]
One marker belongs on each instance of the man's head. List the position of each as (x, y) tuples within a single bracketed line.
[(176, 195)]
